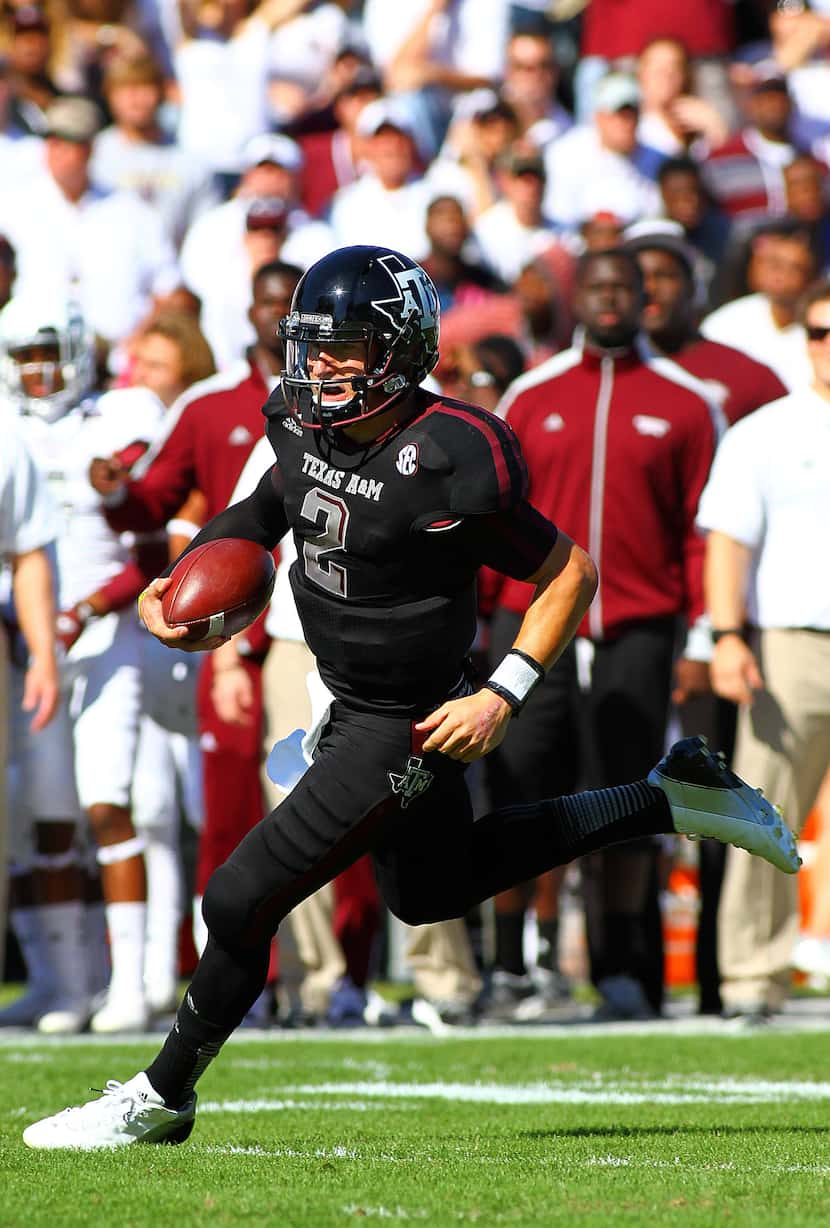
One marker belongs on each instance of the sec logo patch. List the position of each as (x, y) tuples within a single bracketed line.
[(407, 462)]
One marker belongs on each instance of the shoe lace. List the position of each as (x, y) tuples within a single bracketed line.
[(115, 1094)]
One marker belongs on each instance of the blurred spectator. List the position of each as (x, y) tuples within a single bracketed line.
[(136, 155), (434, 49), (261, 222), (302, 51), (596, 166), (482, 130), (210, 435), (21, 155), (765, 508), (71, 237), (29, 53), (531, 75), (8, 270), (514, 230), (672, 119), (170, 354), (806, 188), (601, 231), (736, 383), (336, 155), (800, 40), (764, 324), (388, 203), (745, 174), (546, 317), (613, 30), (687, 202), (609, 397), (91, 33), (482, 372), (222, 68), (457, 279)]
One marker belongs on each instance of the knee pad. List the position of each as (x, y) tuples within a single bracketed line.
[(225, 907)]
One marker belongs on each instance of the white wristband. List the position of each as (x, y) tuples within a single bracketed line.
[(515, 678)]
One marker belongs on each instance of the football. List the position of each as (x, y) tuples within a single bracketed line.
[(219, 588)]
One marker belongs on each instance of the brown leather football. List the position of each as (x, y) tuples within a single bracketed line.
[(219, 588)]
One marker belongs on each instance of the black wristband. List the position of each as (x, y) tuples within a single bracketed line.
[(724, 631)]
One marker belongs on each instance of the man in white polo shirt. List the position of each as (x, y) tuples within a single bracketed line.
[(766, 508), (74, 239), (28, 523)]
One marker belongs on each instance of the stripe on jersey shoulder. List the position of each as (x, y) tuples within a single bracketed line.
[(508, 462), (549, 369)]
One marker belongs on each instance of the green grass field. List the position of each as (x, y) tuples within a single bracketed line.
[(573, 1127)]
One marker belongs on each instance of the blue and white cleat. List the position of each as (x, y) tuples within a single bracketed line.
[(707, 799), (124, 1113)]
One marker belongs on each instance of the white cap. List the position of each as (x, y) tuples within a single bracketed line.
[(384, 112), (272, 147), (615, 91)]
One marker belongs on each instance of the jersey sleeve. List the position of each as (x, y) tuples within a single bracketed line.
[(489, 473), (514, 542)]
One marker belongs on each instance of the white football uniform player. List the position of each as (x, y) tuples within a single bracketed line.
[(46, 371)]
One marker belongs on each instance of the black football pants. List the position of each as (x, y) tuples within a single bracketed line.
[(367, 792)]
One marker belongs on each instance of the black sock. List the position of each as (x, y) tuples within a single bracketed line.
[(225, 986), (510, 928), (548, 944), (185, 1055), (588, 821)]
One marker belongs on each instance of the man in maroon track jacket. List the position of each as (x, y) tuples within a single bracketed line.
[(618, 442)]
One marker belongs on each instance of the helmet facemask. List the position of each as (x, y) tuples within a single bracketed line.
[(363, 359)]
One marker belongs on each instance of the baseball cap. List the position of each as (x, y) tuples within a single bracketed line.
[(364, 78), (73, 119), (266, 213), (661, 235), (272, 147), (29, 17), (615, 91), (766, 75), (383, 113), (524, 162)]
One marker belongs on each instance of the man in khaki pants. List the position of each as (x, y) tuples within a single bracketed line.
[(28, 523), (766, 509)]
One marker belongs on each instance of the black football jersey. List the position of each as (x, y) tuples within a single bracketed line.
[(390, 535)]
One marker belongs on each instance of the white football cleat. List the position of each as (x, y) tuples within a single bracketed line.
[(707, 799), (124, 1113), (121, 1013)]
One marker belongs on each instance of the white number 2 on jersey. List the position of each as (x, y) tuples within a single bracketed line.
[(331, 516)]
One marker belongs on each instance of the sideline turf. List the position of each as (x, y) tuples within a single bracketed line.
[(346, 1156)]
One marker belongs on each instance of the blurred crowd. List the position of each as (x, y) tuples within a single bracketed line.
[(624, 208)]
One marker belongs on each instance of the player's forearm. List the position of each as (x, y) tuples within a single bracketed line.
[(34, 599), (565, 587), (726, 578)]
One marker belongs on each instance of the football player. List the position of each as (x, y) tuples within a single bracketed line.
[(47, 372), (395, 497)]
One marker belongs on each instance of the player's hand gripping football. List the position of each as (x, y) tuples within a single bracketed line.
[(149, 608), (468, 728)]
